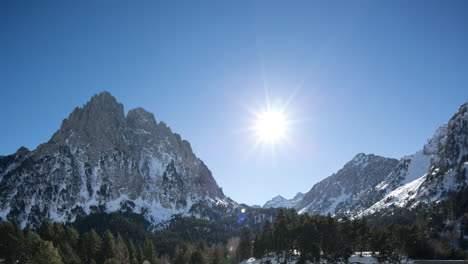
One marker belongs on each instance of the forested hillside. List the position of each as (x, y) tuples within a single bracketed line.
[(434, 233)]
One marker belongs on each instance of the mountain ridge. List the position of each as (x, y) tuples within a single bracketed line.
[(402, 183), (100, 159)]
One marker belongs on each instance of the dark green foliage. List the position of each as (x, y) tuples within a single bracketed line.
[(149, 252), (90, 246), (111, 261), (183, 254), (127, 238), (325, 238), (46, 253), (132, 253), (198, 258), (69, 256), (130, 226), (121, 253), (108, 245), (244, 250)]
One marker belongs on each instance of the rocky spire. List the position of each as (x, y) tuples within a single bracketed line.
[(100, 121)]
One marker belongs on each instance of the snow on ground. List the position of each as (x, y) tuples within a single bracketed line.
[(366, 258)]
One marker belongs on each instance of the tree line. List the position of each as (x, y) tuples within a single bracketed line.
[(127, 238), (56, 243), (315, 238)]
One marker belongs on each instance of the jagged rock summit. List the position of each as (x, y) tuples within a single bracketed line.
[(102, 160)]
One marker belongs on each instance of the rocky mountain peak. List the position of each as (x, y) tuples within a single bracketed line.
[(280, 201), (362, 160), (339, 192), (100, 121), (102, 107), (278, 198), (139, 118), (101, 160), (298, 196), (439, 169), (22, 151)]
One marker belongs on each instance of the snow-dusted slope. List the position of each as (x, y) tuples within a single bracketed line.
[(339, 193), (101, 159), (280, 201), (369, 183), (431, 174)]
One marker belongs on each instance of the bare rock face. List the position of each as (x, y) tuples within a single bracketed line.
[(102, 160)]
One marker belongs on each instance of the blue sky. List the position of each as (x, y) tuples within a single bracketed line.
[(368, 76)]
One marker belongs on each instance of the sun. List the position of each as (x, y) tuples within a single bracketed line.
[(271, 126)]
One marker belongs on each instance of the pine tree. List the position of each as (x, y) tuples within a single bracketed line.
[(46, 230), (12, 242), (140, 255), (108, 245), (217, 255), (132, 253), (72, 236), (308, 240), (198, 258), (28, 249), (68, 254), (280, 233), (258, 247), (149, 252), (58, 236), (46, 253), (266, 237), (244, 250), (182, 254), (121, 251), (90, 246)]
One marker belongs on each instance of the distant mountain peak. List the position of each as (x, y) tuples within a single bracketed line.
[(280, 201), (278, 198), (298, 196)]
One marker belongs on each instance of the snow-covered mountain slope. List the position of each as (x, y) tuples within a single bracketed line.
[(431, 174), (280, 201), (101, 159), (339, 193), (368, 183)]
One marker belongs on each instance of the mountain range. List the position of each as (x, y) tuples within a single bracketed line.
[(369, 184), (101, 160)]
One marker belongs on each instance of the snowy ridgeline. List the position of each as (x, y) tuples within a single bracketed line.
[(366, 258)]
